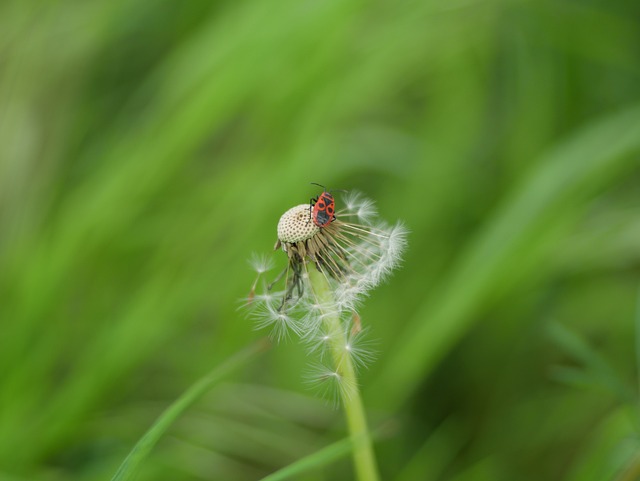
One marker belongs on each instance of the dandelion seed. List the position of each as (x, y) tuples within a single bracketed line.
[(280, 322), (359, 207), (319, 342), (361, 350), (261, 263), (313, 315), (330, 383), (266, 297)]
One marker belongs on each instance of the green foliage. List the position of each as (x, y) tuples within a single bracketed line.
[(129, 468), (148, 148)]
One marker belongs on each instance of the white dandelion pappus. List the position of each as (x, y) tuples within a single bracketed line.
[(267, 314), (261, 263), (330, 383)]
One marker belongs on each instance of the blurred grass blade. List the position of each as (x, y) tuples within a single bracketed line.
[(437, 452), (637, 346), (549, 201), (609, 452), (322, 457), (596, 371), (130, 466)]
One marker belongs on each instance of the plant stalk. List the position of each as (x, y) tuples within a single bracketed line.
[(363, 455)]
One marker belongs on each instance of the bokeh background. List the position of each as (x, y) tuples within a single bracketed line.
[(147, 149)]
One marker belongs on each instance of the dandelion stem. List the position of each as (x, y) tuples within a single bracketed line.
[(363, 456)]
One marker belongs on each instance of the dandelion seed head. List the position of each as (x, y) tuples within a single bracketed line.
[(354, 252), (295, 225)]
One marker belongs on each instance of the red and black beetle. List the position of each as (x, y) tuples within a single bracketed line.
[(322, 208)]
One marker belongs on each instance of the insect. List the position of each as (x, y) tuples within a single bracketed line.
[(322, 208)]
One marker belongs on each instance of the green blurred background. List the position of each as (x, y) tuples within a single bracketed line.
[(148, 148)]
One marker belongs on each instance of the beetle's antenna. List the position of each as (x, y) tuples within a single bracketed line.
[(332, 190)]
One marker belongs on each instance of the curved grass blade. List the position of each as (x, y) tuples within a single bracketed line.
[(321, 457), (595, 370), (130, 466)]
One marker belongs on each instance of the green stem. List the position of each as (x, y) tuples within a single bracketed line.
[(363, 456)]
